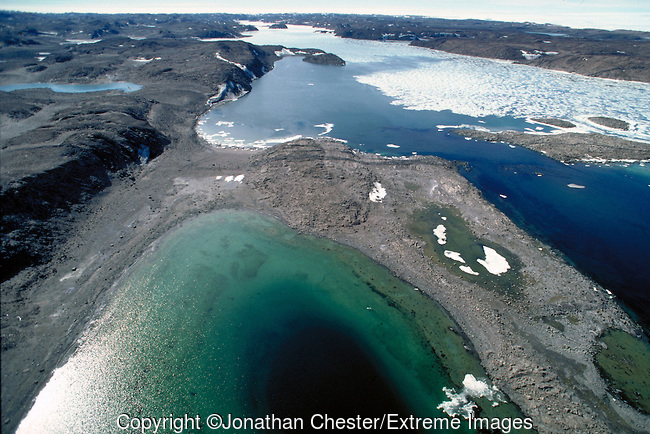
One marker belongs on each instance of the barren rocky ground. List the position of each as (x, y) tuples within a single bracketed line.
[(80, 205)]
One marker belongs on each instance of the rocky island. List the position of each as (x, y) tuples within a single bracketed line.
[(90, 181)]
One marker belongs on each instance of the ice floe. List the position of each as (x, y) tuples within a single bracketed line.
[(390, 145), (441, 233), (378, 193), (493, 262), (454, 255), (498, 88), (575, 186), (328, 128), (467, 269), (461, 404)]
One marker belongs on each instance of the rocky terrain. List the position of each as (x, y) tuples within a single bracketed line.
[(91, 180), (621, 54), (569, 146)]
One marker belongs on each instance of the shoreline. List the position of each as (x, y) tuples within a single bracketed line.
[(319, 187), (380, 236), (570, 147)]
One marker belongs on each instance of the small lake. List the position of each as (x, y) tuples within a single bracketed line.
[(74, 88), (398, 100)]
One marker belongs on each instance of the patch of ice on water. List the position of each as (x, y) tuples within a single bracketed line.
[(499, 88), (441, 233), (461, 404), (493, 262), (454, 255)]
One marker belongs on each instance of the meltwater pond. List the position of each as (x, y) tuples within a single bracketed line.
[(74, 88), (398, 100), (235, 313)]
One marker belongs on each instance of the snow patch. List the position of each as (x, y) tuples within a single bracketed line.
[(378, 193)]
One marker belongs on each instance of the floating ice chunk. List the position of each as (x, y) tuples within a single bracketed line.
[(493, 262), (513, 90), (390, 145), (441, 233), (575, 186), (460, 403), (328, 128), (503, 196), (467, 269), (378, 193), (443, 217), (454, 255), (225, 124)]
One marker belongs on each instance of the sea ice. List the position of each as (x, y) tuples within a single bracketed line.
[(492, 88), (460, 403), (328, 128)]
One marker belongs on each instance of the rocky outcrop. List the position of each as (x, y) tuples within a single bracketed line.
[(324, 59), (61, 150), (330, 178), (93, 143), (569, 146)]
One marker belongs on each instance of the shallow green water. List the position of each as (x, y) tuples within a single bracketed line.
[(459, 239), (625, 362), (236, 313)]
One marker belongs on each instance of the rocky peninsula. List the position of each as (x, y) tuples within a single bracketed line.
[(570, 146), (81, 202)]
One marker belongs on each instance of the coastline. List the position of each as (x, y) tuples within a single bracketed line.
[(531, 361), (524, 357), (570, 147)]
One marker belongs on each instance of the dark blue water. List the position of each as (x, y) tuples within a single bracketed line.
[(602, 228)]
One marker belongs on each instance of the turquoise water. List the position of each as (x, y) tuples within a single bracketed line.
[(74, 88), (237, 314)]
